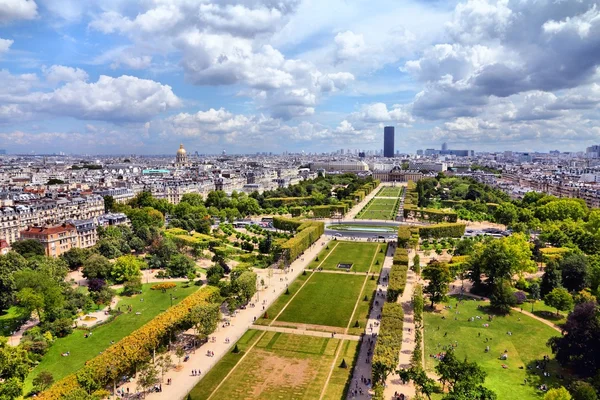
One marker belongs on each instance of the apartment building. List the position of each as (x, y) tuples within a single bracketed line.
[(56, 239)]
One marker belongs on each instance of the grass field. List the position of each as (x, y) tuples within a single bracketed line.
[(10, 321), (382, 209), (279, 366), (362, 311), (387, 191), (526, 345), (83, 349), (360, 255), (326, 299)]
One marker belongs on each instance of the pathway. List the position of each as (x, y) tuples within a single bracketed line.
[(182, 381), (357, 208), (393, 383), (306, 332), (363, 368), (15, 338)]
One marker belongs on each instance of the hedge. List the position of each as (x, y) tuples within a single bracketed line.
[(321, 211), (554, 253), (389, 342), (404, 235), (397, 282), (121, 358), (442, 231), (295, 211), (429, 214), (286, 224), (289, 201), (400, 256), (308, 233), (418, 305)]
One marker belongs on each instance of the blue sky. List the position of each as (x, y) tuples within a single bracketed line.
[(120, 77)]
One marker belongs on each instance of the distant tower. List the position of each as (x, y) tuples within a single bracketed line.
[(181, 158), (444, 146), (388, 141)]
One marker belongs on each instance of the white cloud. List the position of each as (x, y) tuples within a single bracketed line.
[(349, 45), (60, 73), (580, 24), (13, 10), (5, 45), (379, 113), (121, 99)]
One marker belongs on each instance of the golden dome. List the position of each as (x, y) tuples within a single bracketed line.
[(181, 150)]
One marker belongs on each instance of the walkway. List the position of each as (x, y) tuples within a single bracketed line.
[(357, 208), (393, 383), (182, 381), (362, 368), (15, 338), (305, 332)]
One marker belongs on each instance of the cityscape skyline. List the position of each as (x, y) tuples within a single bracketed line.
[(248, 76)]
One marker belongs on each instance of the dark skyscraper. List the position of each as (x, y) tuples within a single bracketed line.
[(388, 141)]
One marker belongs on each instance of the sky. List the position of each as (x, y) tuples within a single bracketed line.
[(246, 76)]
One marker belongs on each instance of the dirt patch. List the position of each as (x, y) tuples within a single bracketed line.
[(309, 327), (282, 372)]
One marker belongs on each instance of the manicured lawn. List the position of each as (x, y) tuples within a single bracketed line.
[(526, 345), (340, 377), (280, 366), (10, 321), (282, 300), (326, 299), (383, 209), (362, 311), (389, 192), (542, 310), (384, 229), (83, 349), (359, 254)]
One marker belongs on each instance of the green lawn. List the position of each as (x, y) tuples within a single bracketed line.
[(389, 192), (83, 349), (326, 299), (279, 366), (359, 254), (362, 311), (382, 209), (282, 300), (526, 345), (10, 321)]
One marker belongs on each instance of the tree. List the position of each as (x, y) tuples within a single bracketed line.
[(181, 265), (11, 388), (581, 390), (28, 248), (109, 204), (137, 244), (164, 362), (560, 299), (205, 318), (75, 257), (14, 367), (147, 376), (127, 268), (424, 384), (245, 286), (9, 264), (438, 275), (535, 293), (502, 298), (506, 214), (574, 272), (578, 347), (417, 264), (551, 279), (97, 266), (40, 291), (214, 274), (109, 248), (44, 380), (103, 296), (132, 286), (557, 394), (180, 353)]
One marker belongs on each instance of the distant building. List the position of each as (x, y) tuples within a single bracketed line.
[(444, 146), (388, 141), (87, 236), (56, 239), (428, 166), (397, 174), (345, 166), (181, 157)]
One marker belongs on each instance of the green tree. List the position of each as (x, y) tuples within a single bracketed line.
[(109, 204), (245, 286), (39, 291), (574, 272), (506, 213), (147, 376), (214, 274), (551, 279), (438, 276), (425, 385), (97, 266), (43, 381), (581, 390), (11, 388), (502, 298), (75, 257), (164, 363), (28, 248), (109, 248), (9, 264), (558, 394), (181, 265), (559, 298), (205, 318), (127, 268)]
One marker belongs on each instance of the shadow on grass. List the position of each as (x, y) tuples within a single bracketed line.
[(550, 316), (536, 378)]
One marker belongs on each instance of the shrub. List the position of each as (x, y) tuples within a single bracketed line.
[(164, 286)]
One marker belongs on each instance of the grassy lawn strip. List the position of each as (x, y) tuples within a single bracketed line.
[(280, 366), (211, 380), (362, 311), (282, 300), (383, 209), (83, 349), (341, 378), (327, 299), (359, 254), (526, 345), (389, 192)]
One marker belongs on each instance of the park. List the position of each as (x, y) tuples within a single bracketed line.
[(380, 209)]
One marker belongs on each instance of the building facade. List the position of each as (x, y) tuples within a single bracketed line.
[(388, 141), (56, 239)]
